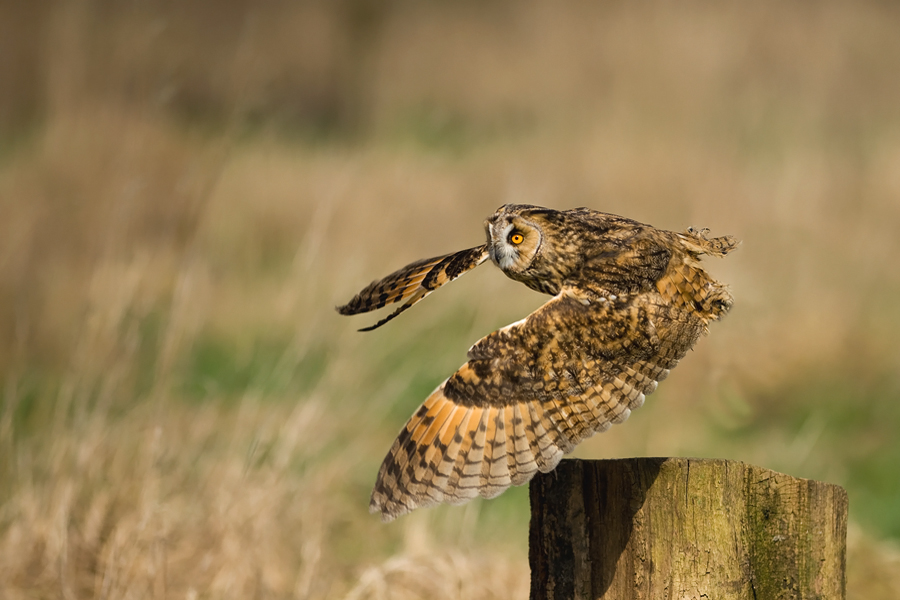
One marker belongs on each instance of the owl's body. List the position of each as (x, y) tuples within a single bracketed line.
[(629, 300)]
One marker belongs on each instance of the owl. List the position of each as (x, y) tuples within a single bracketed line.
[(628, 301)]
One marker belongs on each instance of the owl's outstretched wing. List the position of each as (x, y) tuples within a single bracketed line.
[(528, 394), (413, 282)]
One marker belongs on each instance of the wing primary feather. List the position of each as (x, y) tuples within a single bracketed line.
[(549, 453), (447, 471), (518, 447), (467, 470), (413, 282), (498, 470)]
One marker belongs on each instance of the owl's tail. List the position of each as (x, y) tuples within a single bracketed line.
[(698, 243), (413, 282), (686, 284)]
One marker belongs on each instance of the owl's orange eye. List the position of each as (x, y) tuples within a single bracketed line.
[(516, 239)]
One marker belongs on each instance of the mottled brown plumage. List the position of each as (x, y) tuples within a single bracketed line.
[(413, 282), (629, 301)]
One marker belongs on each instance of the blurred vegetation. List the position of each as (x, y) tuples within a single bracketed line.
[(188, 188)]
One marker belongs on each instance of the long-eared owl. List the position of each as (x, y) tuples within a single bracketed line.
[(629, 300)]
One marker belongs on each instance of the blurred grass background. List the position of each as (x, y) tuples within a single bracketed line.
[(188, 188)]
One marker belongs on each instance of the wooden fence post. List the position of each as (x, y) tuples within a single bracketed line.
[(661, 528)]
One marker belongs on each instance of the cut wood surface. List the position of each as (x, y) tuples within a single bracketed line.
[(660, 528)]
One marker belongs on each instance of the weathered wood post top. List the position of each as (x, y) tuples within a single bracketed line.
[(684, 528)]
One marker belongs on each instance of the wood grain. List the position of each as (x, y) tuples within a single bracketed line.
[(684, 528)]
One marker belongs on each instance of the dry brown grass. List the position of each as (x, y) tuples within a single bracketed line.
[(174, 193)]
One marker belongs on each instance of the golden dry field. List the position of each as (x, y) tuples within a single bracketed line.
[(187, 189)]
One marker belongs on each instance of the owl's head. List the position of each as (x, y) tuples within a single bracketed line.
[(514, 236)]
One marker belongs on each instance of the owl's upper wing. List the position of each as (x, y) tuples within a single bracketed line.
[(528, 394), (413, 282)]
